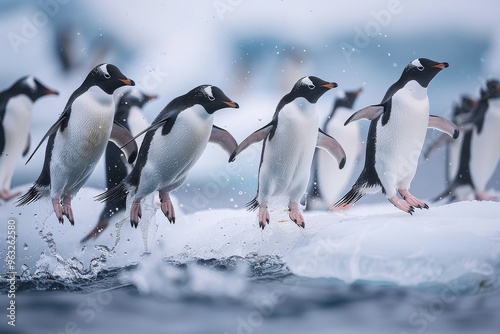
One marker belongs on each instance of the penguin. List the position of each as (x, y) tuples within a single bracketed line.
[(172, 144), (328, 181), (128, 114), (478, 156), (396, 137), (288, 148), (16, 106), (462, 115), (78, 138)]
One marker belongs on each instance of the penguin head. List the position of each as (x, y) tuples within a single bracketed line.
[(465, 106), (311, 88), (422, 70), (347, 98), (108, 77), (211, 98), (31, 87), (135, 97), (492, 89)]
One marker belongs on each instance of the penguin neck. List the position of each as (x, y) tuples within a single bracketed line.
[(415, 90), (494, 103)]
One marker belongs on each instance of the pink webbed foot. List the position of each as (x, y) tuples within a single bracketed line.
[(7, 196), (263, 216), (482, 196), (58, 210), (135, 213), (167, 207), (67, 210), (333, 208), (297, 217), (402, 205), (412, 200)]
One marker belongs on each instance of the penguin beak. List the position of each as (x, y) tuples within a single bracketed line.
[(356, 92), (329, 85), (150, 97), (51, 92), (128, 82), (231, 104), (441, 65)]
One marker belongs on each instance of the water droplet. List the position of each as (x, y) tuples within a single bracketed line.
[(482, 60), (394, 64), (389, 54), (231, 199), (240, 192), (25, 246)]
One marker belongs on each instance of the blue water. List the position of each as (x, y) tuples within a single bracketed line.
[(264, 297)]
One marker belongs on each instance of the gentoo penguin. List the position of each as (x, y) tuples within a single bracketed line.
[(172, 145), (129, 115), (396, 136), (16, 105), (462, 116), (479, 155), (287, 152), (78, 138), (328, 181)]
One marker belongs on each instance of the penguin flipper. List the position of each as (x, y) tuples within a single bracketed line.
[(224, 139), (369, 113), (51, 130), (122, 138), (2, 138), (332, 146), (27, 147), (444, 125), (255, 137)]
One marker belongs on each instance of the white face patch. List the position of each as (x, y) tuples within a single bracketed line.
[(417, 64), (208, 91), (306, 81), (30, 82), (104, 70)]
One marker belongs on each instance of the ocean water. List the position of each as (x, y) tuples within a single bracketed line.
[(368, 270)]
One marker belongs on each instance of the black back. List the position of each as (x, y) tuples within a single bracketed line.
[(211, 98)]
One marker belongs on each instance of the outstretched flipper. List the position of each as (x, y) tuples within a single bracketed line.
[(255, 137), (224, 139), (122, 138), (369, 113), (51, 130), (444, 125), (332, 146)]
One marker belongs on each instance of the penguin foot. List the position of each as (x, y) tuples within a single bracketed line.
[(167, 207), (135, 214), (7, 196), (58, 210), (342, 207), (297, 217), (67, 210), (412, 200), (481, 196), (263, 216), (402, 205)]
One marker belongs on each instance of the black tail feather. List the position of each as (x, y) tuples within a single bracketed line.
[(32, 195), (253, 204), (351, 197), (448, 193), (113, 194)]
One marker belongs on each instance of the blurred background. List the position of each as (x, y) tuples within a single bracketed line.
[(254, 51)]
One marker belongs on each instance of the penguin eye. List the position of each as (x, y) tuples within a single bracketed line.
[(106, 75), (311, 86), (420, 68), (211, 98)]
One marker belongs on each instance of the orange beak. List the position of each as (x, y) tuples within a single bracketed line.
[(441, 65), (128, 82), (330, 85), (231, 104)]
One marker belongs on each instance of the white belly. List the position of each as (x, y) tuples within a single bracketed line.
[(136, 123), (16, 124), (288, 155), (332, 180), (400, 141), (171, 157), (79, 147), (485, 148)]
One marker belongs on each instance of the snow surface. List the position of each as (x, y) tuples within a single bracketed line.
[(369, 242)]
